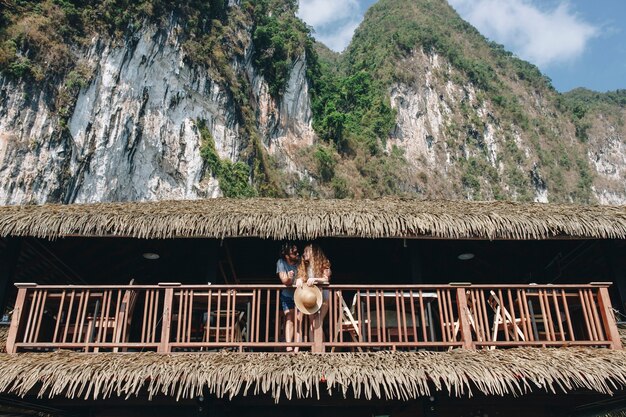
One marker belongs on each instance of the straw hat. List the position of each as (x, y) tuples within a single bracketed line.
[(308, 299)]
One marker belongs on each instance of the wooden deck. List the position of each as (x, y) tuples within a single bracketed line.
[(170, 317)]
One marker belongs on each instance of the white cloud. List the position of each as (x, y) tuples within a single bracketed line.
[(338, 40), (324, 12), (334, 21), (543, 37)]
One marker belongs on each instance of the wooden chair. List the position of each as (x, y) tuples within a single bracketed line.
[(226, 328), (547, 320), (116, 329), (469, 311), (95, 317), (346, 323), (502, 319), (402, 330)]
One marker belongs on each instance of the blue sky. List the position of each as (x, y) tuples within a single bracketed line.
[(577, 43)]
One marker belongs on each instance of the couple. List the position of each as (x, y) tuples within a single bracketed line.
[(312, 268)]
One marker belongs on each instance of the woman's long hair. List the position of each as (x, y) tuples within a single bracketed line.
[(318, 260)]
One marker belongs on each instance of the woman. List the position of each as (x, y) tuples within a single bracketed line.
[(314, 268)]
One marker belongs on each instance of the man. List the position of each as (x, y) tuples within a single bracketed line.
[(287, 268)]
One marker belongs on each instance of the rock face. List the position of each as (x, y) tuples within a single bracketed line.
[(133, 128), (32, 154), (607, 155), (132, 134)]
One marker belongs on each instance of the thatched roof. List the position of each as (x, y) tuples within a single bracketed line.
[(308, 219), (386, 375)]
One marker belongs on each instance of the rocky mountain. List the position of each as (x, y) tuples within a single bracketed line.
[(155, 99)]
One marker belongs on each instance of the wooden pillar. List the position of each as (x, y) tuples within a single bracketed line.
[(166, 322), (318, 334), (8, 263), (464, 320), (608, 318), (17, 315)]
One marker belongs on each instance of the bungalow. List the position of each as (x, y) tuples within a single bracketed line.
[(436, 308)]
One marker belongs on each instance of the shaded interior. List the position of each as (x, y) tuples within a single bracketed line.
[(83, 260)]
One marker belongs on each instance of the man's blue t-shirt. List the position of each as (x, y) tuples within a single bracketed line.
[(283, 266)]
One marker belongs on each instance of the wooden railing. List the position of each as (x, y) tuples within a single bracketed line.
[(174, 318)]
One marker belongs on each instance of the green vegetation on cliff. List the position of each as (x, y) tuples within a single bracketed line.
[(233, 177), (279, 39), (352, 114), (37, 37), (582, 103)]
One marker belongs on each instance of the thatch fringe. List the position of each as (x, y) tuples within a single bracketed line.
[(620, 413), (309, 219), (386, 375)]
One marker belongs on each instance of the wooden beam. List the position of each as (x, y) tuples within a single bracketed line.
[(166, 322), (464, 319)]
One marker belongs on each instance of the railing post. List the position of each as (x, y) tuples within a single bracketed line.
[(464, 322), (166, 322), (318, 334), (22, 288), (608, 319)]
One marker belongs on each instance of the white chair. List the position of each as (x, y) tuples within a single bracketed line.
[(502, 320), (347, 323)]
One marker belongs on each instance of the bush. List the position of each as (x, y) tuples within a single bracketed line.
[(233, 177), (20, 67), (325, 163), (340, 188), (585, 181)]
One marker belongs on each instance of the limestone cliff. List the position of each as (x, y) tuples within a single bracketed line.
[(132, 132)]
